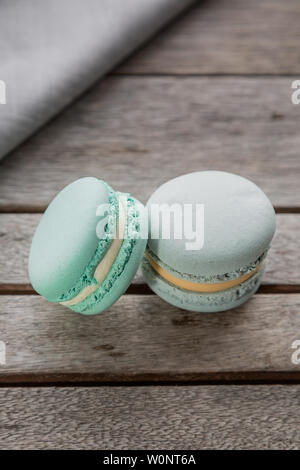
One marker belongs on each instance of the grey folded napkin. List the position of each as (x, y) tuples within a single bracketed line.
[(52, 50)]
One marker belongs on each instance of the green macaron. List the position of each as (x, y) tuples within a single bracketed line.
[(87, 246), (218, 262)]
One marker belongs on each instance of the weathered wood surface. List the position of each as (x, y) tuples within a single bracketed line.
[(143, 339), (226, 37), (199, 417), (16, 232), (137, 132)]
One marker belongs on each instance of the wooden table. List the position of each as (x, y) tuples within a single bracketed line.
[(213, 91)]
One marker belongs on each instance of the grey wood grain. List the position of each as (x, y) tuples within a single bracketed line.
[(142, 338), (138, 132), (16, 232), (179, 418), (283, 266), (226, 36)]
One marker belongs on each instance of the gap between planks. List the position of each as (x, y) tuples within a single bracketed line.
[(143, 289), (27, 289), (146, 380)]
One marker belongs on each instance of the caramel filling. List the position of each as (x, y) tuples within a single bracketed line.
[(196, 286)]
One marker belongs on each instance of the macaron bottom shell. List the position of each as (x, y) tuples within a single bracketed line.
[(123, 269), (201, 302)]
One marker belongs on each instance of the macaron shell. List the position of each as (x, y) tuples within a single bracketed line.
[(213, 302), (66, 239), (239, 223), (122, 282)]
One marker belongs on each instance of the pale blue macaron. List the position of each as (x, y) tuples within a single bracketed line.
[(88, 246), (218, 262)]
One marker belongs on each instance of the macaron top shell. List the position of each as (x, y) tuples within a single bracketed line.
[(66, 239), (239, 223)]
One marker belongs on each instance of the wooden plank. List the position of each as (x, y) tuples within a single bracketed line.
[(138, 132), (110, 418), (141, 338), (283, 265), (16, 232), (226, 37)]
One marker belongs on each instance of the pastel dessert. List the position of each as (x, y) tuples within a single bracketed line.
[(222, 268), (87, 246)]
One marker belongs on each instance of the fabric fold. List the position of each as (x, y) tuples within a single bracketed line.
[(52, 50)]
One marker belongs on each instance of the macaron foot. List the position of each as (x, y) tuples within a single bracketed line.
[(200, 302)]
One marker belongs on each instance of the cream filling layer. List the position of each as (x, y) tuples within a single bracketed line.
[(196, 286), (107, 261)]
